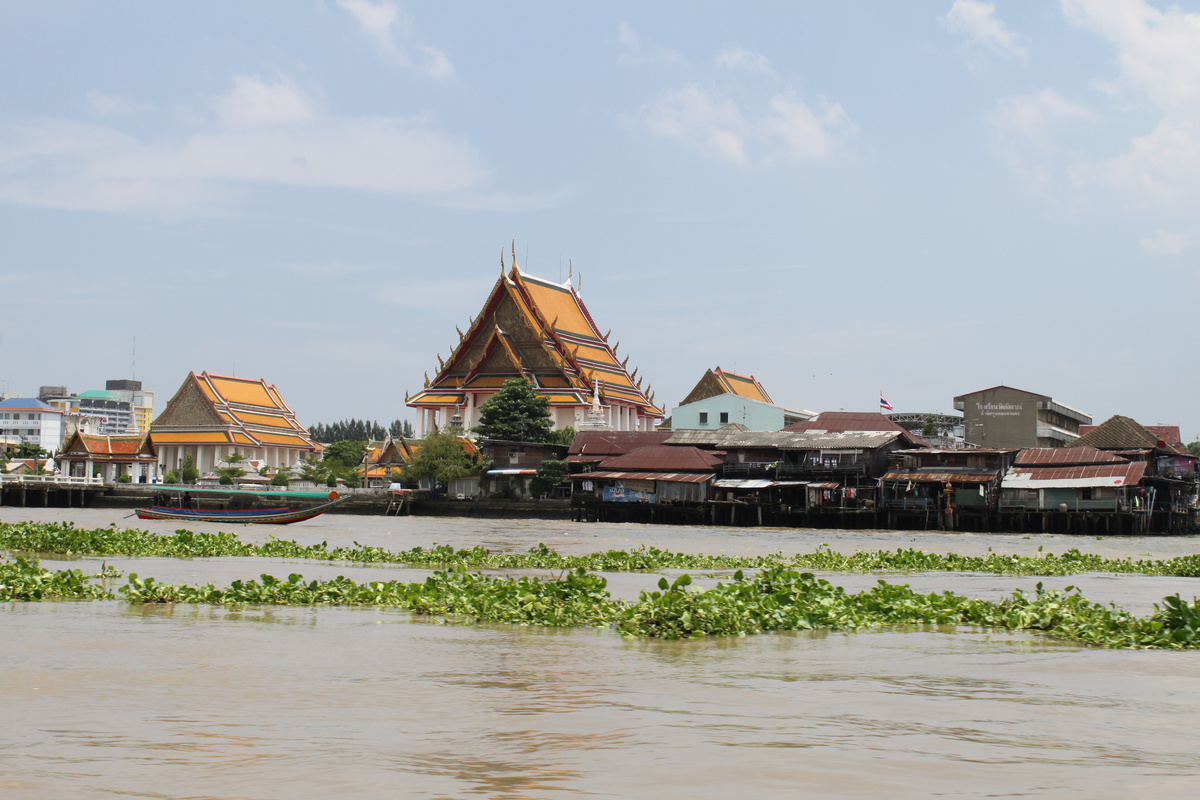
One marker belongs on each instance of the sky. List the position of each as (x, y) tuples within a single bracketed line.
[(921, 199)]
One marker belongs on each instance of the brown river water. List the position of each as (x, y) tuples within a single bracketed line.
[(108, 700)]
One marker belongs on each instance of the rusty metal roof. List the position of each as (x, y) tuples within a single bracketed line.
[(1122, 433), (942, 477), (1046, 456), (851, 421), (671, 477), (1127, 474), (612, 443), (663, 458)]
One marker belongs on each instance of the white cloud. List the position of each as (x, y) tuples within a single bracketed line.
[(977, 22), (1160, 169), (1158, 51), (383, 21), (1165, 243), (717, 125), (633, 51), (747, 60), (254, 103), (265, 133), (1033, 117), (1158, 58), (805, 134), (692, 114)]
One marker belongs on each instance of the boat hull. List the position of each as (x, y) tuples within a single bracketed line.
[(262, 516)]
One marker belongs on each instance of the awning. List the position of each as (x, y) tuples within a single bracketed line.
[(670, 477), (512, 472), (1026, 482), (751, 483), (939, 477), (824, 485)]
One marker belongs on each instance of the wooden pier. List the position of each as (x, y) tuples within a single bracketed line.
[(967, 520), (49, 491)]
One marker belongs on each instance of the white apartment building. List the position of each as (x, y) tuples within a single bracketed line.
[(27, 419)]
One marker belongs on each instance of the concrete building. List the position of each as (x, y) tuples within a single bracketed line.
[(1004, 417), (122, 407), (722, 397), (27, 419)]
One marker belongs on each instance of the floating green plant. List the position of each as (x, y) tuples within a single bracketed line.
[(774, 599), (66, 539)]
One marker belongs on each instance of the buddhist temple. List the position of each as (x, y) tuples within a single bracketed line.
[(85, 455), (213, 416), (383, 462), (540, 331)]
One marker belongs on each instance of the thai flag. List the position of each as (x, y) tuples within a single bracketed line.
[(884, 405)]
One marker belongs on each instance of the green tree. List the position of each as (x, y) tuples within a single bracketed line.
[(282, 477), (232, 469), (516, 413), (345, 453), (441, 458), (1194, 448), (311, 469), (550, 473), (930, 427), (564, 436), (188, 472)]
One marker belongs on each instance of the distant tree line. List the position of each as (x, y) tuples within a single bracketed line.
[(359, 430)]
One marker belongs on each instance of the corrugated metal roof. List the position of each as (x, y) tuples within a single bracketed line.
[(750, 483), (1129, 474), (785, 439), (1065, 455), (664, 459), (1121, 433), (671, 477), (844, 421), (612, 443), (941, 477)]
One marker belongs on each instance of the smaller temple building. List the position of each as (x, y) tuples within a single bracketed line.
[(213, 416), (110, 458)]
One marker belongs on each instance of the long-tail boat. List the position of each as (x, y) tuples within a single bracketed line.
[(269, 516)]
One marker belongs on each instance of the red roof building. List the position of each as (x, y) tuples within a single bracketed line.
[(84, 455)]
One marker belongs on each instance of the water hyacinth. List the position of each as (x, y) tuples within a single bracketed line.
[(774, 599), (66, 539)]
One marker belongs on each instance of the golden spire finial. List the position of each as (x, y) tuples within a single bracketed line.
[(570, 270), (514, 252)]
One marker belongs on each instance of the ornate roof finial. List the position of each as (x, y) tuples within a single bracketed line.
[(570, 270), (426, 380), (501, 262), (461, 335), (514, 252)]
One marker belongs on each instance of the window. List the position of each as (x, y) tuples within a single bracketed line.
[(724, 417), (703, 417)]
